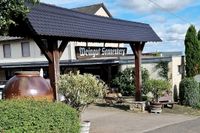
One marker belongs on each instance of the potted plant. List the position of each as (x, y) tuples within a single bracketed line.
[(157, 88), (80, 90)]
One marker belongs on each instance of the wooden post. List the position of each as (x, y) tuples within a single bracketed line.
[(53, 53), (109, 74), (54, 65), (137, 48)]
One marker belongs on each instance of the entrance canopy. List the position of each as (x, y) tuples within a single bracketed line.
[(52, 23)]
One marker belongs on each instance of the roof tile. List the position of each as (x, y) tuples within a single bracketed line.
[(49, 20)]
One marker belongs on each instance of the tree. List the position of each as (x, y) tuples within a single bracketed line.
[(10, 10), (198, 35), (192, 52)]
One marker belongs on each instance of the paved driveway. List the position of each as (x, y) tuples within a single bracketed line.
[(112, 120)]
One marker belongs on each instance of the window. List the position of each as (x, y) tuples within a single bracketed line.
[(6, 51), (25, 49)]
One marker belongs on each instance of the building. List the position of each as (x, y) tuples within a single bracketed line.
[(102, 59), (23, 54)]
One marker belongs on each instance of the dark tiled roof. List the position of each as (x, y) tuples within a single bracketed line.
[(92, 9), (48, 20)]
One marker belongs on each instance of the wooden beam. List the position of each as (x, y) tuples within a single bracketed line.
[(137, 48), (54, 65), (43, 48), (53, 53), (62, 47)]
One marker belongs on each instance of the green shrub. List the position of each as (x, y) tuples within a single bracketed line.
[(80, 90), (189, 92), (157, 87), (19, 116), (125, 81)]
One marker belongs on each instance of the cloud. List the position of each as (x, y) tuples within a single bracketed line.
[(153, 5), (171, 31), (164, 46), (153, 18), (174, 37), (178, 28), (176, 32)]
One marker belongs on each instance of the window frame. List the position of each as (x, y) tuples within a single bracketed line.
[(5, 53), (24, 48)]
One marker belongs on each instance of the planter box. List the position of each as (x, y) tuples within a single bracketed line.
[(156, 108), (85, 127)]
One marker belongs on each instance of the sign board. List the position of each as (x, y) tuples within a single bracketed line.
[(97, 52), (197, 78)]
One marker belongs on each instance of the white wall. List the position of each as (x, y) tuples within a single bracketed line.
[(16, 53), (176, 76), (101, 12), (151, 67)]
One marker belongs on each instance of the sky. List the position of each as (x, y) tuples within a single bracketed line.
[(170, 19)]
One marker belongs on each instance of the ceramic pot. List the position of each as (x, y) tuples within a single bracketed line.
[(28, 84)]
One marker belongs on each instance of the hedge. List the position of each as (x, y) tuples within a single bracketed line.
[(189, 92), (30, 116)]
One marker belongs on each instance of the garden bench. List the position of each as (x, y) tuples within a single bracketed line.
[(168, 104), (166, 101)]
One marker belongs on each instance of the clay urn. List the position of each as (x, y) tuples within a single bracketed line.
[(28, 84)]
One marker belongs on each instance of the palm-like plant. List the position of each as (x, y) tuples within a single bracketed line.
[(157, 88)]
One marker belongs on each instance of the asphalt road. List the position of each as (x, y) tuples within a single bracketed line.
[(191, 126), (112, 120)]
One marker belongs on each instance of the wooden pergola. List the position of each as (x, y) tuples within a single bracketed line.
[(47, 24)]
